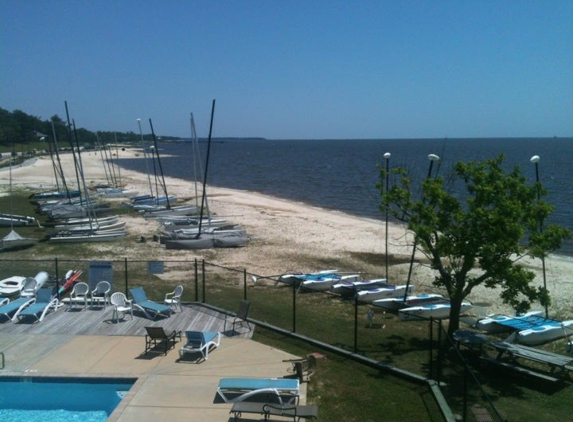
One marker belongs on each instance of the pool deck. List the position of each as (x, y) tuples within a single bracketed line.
[(167, 388)]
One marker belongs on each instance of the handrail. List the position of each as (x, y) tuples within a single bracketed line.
[(2, 354)]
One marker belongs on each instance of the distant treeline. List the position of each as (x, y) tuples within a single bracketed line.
[(19, 128), (21, 131)]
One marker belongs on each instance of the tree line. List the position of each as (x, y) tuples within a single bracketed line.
[(20, 128)]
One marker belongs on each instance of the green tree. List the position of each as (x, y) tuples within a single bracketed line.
[(497, 225)]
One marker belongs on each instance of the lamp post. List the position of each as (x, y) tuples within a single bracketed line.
[(433, 158), (387, 158), (535, 160)]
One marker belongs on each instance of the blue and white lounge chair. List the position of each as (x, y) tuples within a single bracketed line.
[(148, 307), (42, 304), (238, 389), (8, 307), (200, 342)]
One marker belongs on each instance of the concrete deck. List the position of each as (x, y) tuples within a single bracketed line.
[(167, 388)]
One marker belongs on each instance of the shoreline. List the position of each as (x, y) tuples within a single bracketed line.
[(290, 236)]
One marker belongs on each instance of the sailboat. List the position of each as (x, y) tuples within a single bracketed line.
[(13, 240), (92, 231), (213, 237)]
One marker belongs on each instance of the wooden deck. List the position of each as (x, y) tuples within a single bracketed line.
[(98, 321)]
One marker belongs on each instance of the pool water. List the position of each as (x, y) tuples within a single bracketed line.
[(33, 399)]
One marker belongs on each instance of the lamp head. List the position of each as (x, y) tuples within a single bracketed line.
[(535, 159), (433, 157), (387, 155)]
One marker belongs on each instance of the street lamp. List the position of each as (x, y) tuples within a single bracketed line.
[(535, 160), (433, 159), (387, 158)]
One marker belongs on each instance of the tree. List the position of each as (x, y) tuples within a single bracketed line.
[(499, 224)]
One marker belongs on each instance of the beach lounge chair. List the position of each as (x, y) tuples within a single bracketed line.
[(238, 389), (100, 292), (8, 307), (295, 411), (121, 305), (79, 294), (39, 308), (173, 299), (151, 309), (241, 316), (156, 336), (200, 341)]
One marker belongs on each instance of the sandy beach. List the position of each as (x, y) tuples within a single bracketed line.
[(286, 236)]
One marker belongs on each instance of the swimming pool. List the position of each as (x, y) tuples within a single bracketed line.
[(60, 399)]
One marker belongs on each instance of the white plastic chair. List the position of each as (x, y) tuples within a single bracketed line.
[(29, 287), (79, 294), (120, 304), (101, 290), (173, 299)]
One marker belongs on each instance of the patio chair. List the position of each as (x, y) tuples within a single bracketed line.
[(148, 307), (42, 304), (100, 292), (239, 389), (29, 287), (121, 305), (241, 316), (302, 368), (200, 341), (173, 299), (157, 336), (79, 294), (9, 307)]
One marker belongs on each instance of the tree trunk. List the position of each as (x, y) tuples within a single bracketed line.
[(456, 305)]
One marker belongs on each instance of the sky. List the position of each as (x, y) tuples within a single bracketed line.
[(294, 69)]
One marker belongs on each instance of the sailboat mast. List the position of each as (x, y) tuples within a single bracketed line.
[(159, 162), (204, 197), (73, 152), (61, 170), (145, 157)]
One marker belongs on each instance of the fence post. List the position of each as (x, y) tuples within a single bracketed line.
[(294, 307), (440, 350), (355, 323), (196, 281), (126, 280), (203, 279), (245, 284), (430, 363), (57, 279)]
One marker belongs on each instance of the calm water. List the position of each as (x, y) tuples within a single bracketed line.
[(342, 174)]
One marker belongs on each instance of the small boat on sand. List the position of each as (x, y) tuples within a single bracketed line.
[(297, 278), (397, 303), (324, 282), (349, 288), (547, 332), (14, 286), (440, 310), (11, 286), (500, 323), (389, 290)]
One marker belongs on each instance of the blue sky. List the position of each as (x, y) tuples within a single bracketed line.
[(294, 69)]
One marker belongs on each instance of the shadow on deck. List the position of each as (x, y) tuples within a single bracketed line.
[(99, 321)]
